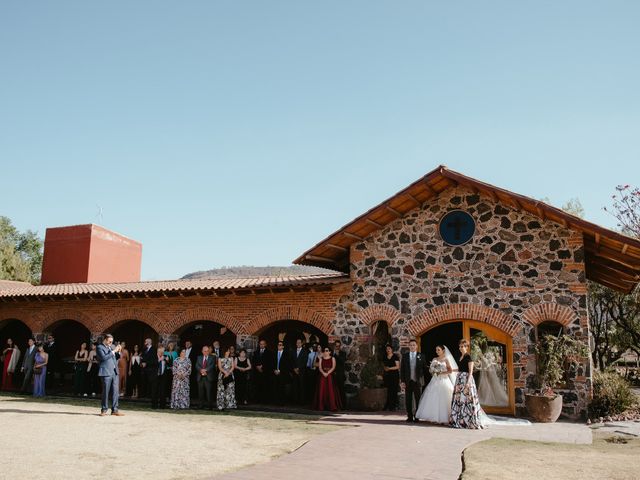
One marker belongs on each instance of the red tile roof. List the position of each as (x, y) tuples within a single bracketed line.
[(214, 284)]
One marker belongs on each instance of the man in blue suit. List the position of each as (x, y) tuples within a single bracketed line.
[(108, 373)]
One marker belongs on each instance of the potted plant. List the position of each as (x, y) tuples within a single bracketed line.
[(552, 355), (372, 395)]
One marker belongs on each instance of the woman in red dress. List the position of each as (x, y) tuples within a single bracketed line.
[(10, 355), (327, 395)]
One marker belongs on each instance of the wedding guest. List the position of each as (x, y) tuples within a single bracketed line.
[(40, 371), (28, 361), (108, 356), (123, 368), (149, 364), (391, 378), (180, 391), (327, 395), (262, 372), (232, 351), (465, 406), (319, 354), (298, 364), (241, 374), (170, 354), (341, 360), (205, 365), (54, 373), (311, 373), (280, 375), (216, 350), (192, 355), (92, 371), (10, 355), (80, 369), (226, 397), (135, 371), (159, 380), (412, 370)]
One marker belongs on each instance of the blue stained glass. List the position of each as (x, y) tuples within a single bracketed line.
[(457, 227)]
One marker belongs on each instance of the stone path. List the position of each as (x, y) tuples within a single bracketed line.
[(385, 447)]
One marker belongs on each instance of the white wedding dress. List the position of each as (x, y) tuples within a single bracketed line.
[(435, 402)]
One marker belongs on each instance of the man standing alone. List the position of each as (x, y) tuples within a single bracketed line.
[(412, 370), (108, 373)]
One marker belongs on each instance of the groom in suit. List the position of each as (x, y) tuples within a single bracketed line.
[(412, 370), (108, 373)]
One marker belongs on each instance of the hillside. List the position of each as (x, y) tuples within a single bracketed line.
[(250, 272)]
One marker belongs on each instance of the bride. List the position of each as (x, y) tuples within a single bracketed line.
[(435, 403)]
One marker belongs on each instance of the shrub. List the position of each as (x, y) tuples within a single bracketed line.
[(371, 373), (552, 354), (611, 395)]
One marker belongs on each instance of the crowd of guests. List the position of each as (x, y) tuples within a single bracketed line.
[(305, 374)]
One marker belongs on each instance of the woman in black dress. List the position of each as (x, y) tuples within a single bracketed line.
[(134, 372), (241, 374), (391, 378), (80, 370)]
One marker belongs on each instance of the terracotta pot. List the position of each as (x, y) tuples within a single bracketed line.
[(542, 408), (372, 398)]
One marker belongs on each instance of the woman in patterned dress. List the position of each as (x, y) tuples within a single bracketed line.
[(465, 406), (226, 384), (180, 393)]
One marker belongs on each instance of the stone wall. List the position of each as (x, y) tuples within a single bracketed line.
[(516, 272)]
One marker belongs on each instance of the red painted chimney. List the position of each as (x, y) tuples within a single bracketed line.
[(89, 254)]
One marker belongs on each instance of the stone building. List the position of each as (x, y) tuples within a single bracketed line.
[(446, 258)]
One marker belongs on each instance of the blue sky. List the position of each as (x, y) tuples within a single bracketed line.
[(241, 133)]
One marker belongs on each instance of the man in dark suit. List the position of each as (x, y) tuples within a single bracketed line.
[(298, 366), (28, 361), (205, 377), (412, 370), (341, 360), (160, 380), (310, 373), (54, 379), (262, 364), (108, 372), (281, 372), (149, 364)]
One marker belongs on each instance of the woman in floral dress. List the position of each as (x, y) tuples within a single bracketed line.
[(465, 406), (226, 384), (180, 392)]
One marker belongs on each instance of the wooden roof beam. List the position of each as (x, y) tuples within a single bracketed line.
[(597, 237), (353, 235), (625, 247), (393, 211), (373, 222), (337, 247), (316, 258), (413, 199)]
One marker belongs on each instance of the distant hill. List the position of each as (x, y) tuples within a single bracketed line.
[(250, 272)]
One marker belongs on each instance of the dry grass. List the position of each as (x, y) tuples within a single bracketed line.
[(501, 459), (67, 439)]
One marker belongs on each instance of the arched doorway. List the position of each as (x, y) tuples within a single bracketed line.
[(289, 331), (133, 332), (204, 332), (17, 331), (492, 353), (380, 338), (68, 335)]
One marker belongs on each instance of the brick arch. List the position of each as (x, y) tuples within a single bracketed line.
[(190, 315), (47, 320), (289, 312), (550, 312), (463, 311), (21, 316), (375, 313), (114, 317)]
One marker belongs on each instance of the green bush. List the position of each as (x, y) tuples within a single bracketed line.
[(371, 373), (611, 395)]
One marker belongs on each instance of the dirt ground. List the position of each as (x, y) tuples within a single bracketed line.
[(502, 459), (48, 439)]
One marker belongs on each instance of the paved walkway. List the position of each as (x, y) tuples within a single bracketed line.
[(385, 447)]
